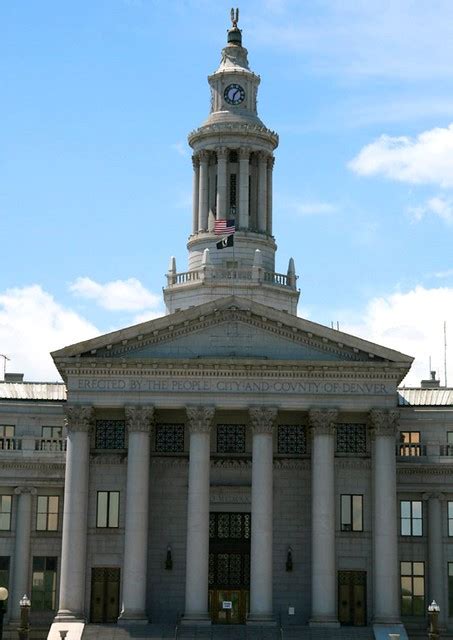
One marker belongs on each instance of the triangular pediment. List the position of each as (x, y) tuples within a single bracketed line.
[(231, 328)]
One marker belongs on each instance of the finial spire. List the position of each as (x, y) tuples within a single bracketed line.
[(234, 20), (234, 34)]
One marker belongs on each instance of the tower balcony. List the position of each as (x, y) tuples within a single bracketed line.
[(210, 274)]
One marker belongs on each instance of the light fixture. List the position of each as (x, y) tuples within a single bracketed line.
[(25, 601), (289, 559), (3, 594), (434, 607), (169, 560)]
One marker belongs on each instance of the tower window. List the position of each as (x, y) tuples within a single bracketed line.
[(233, 193)]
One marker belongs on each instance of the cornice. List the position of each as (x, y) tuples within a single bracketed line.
[(29, 465), (235, 128)]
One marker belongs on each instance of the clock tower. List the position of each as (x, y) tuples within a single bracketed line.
[(232, 247)]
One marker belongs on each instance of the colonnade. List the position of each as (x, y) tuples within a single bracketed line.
[(252, 208)]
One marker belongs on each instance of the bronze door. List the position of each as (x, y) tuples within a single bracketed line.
[(105, 594), (229, 606), (352, 598)]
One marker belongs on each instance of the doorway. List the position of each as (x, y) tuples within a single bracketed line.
[(105, 594), (352, 598)]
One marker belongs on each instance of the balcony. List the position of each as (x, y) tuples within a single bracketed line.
[(211, 274), (30, 446), (427, 453)]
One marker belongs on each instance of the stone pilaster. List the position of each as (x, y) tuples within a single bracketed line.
[(244, 174), (73, 549), (196, 192), (203, 191), (262, 191), (222, 166), (21, 567), (323, 581), (197, 554), (436, 567), (263, 422), (385, 517), (138, 421), (270, 170)]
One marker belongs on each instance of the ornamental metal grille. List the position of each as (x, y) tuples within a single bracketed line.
[(169, 438), (292, 439), (229, 526), (351, 438), (231, 438), (110, 434), (229, 550), (229, 570)]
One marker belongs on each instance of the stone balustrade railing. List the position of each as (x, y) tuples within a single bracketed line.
[(212, 273), (28, 445)]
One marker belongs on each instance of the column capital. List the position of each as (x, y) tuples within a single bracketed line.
[(270, 162), (195, 161), (21, 490), (263, 419), (244, 153), (139, 418), (79, 417), (263, 156), (433, 495), (200, 419), (222, 153), (203, 155), (384, 422), (322, 421)]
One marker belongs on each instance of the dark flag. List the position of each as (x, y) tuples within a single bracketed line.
[(228, 241)]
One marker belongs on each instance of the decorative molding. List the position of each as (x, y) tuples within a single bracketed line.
[(200, 419), (292, 463), (24, 490), (263, 419), (195, 161), (322, 421), (204, 155), (384, 422), (433, 495), (247, 130), (231, 463), (244, 153), (348, 462), (78, 418), (230, 494), (139, 418), (170, 461), (46, 467), (101, 458), (222, 153), (424, 470)]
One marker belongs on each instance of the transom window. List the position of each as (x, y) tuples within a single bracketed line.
[(412, 588), (169, 438), (5, 512), (351, 438), (44, 583), (410, 443), (411, 518), (110, 434), (351, 508), (47, 513), (292, 439), (108, 509), (230, 438)]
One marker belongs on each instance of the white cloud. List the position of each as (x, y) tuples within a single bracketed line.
[(180, 148), (32, 324), (117, 295), (412, 323), (448, 273), (426, 159), (438, 206)]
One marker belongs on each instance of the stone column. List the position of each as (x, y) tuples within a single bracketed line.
[(203, 191), (385, 518), (138, 420), (75, 514), (196, 192), (197, 553), (323, 580), (222, 159), (262, 190), (436, 569), (244, 177), (270, 170), (263, 421), (21, 567)]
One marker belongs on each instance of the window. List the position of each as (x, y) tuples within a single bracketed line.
[(169, 438), (47, 513), (110, 434), (231, 438), (7, 437), (351, 438), (292, 439), (233, 192), (351, 512), (108, 509), (449, 443), (44, 584), (52, 433), (450, 518), (5, 512), (450, 589), (412, 588), (411, 518), (410, 443), (4, 571)]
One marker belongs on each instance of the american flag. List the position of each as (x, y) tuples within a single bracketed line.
[(224, 227)]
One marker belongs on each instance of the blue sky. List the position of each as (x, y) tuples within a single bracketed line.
[(98, 97)]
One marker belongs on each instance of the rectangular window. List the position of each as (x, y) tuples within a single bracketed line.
[(231, 438), (411, 517), (351, 512), (108, 509), (110, 434), (449, 443), (52, 433), (44, 584), (410, 443), (169, 438), (4, 571), (47, 513), (7, 436), (450, 518), (292, 439), (5, 512), (233, 191), (351, 438), (412, 588), (450, 589)]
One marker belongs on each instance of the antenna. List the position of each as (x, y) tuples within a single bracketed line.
[(430, 367), (445, 352), (5, 358)]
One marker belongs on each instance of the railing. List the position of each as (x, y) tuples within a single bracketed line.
[(185, 276), (231, 274), (53, 444), (446, 450), (280, 279), (411, 450), (10, 444), (210, 273)]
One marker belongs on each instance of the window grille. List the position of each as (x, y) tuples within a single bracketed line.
[(292, 439), (229, 526), (169, 438), (110, 434), (351, 438), (231, 438)]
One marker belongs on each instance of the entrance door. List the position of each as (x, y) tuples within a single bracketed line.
[(105, 594), (229, 606), (352, 597)]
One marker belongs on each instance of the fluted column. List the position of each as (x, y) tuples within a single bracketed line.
[(195, 193), (21, 568), (323, 580), (244, 177), (436, 568), (197, 553), (222, 159), (270, 170), (138, 420), (262, 190), (385, 520), (263, 421), (73, 547), (203, 191)]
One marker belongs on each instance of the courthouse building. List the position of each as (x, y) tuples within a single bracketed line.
[(229, 462)]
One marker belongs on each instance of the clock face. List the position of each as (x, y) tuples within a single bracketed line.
[(234, 94)]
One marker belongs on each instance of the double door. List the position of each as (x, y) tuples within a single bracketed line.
[(105, 594), (228, 606), (352, 598)]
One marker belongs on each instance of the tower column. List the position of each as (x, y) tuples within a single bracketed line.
[(385, 523), (197, 553), (244, 177), (73, 546), (435, 554), (323, 579), (196, 192), (270, 171), (262, 190), (21, 582), (138, 420), (263, 421), (203, 191), (222, 159)]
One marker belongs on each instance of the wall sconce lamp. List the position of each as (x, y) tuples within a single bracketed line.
[(289, 559), (168, 559)]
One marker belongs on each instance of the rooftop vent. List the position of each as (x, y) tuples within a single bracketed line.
[(14, 377), (432, 383)]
